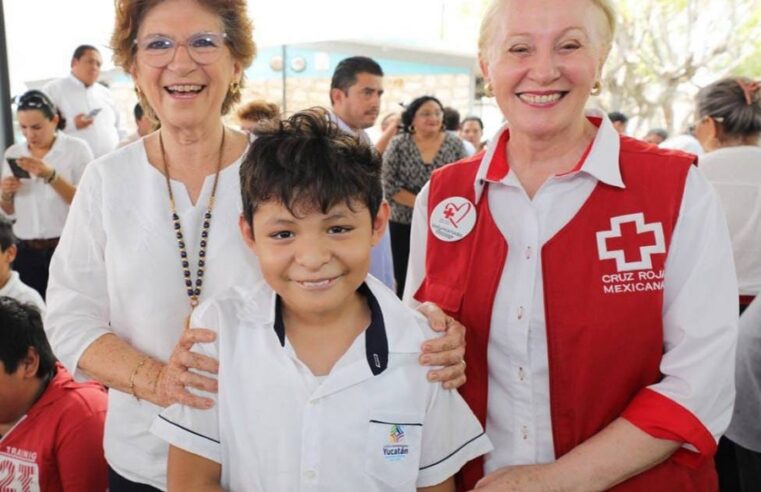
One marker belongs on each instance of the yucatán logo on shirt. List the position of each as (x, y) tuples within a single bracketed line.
[(396, 449), (631, 242)]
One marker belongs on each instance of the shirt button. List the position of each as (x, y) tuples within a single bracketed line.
[(310, 474), (528, 252), (521, 312), (521, 374), (524, 432)]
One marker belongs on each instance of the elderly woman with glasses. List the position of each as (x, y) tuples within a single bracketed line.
[(154, 230), (39, 178), (423, 146)]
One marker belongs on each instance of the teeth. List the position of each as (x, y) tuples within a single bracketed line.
[(318, 283), (540, 99), (185, 88)]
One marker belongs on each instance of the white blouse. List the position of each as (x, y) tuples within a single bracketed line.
[(735, 173), (117, 270), (40, 210)]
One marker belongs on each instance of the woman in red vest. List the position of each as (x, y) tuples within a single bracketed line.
[(593, 272)]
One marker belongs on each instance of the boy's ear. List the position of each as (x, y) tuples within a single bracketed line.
[(9, 255), (381, 221), (30, 363), (247, 232)]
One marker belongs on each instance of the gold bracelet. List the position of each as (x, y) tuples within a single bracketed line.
[(132, 377)]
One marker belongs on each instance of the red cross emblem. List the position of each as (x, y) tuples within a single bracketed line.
[(631, 242)]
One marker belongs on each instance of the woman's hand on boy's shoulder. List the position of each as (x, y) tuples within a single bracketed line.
[(175, 378), (447, 351)]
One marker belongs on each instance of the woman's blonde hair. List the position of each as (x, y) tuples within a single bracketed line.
[(489, 24), (233, 14)]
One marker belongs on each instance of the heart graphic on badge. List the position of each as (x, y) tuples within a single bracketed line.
[(455, 213)]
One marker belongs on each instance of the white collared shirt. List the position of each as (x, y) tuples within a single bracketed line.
[(72, 97), (366, 426), (24, 294), (40, 212), (699, 273), (735, 173), (117, 270)]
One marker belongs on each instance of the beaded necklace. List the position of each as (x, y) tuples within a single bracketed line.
[(194, 292)]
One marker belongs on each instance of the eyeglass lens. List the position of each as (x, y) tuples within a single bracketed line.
[(204, 48)]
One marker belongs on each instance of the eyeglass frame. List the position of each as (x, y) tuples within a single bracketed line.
[(223, 35)]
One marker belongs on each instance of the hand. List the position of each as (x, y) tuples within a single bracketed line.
[(393, 123), (82, 121), (447, 351), (522, 478), (35, 167), (175, 377), (10, 185)]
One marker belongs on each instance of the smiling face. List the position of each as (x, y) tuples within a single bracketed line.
[(314, 261), (184, 93), (36, 128), (428, 118), (543, 60), (360, 105)]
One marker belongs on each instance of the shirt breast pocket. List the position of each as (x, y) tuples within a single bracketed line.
[(392, 452)]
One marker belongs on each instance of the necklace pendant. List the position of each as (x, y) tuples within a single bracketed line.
[(193, 302)]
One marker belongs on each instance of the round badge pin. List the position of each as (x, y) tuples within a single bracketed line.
[(453, 219)]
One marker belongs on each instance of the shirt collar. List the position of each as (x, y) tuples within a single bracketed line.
[(601, 161), (360, 134), (10, 284), (376, 342), (78, 82)]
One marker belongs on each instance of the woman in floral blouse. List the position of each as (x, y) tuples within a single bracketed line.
[(408, 162)]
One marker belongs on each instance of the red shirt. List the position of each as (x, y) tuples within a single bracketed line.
[(58, 444)]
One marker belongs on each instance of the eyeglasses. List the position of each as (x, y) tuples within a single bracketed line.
[(158, 51), (430, 114)]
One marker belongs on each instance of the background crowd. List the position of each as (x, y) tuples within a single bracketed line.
[(114, 239)]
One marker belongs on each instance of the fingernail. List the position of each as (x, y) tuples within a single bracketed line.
[(425, 359), (431, 377)]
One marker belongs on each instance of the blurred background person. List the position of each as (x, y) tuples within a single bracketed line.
[(10, 283), (452, 125), (656, 136), (619, 121), (408, 162), (144, 125), (472, 130), (39, 198), (253, 112), (729, 126), (685, 141), (87, 106), (51, 427)]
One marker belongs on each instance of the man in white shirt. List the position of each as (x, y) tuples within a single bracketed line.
[(87, 105), (10, 283), (355, 93)]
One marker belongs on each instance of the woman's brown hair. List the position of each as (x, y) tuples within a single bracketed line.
[(237, 26)]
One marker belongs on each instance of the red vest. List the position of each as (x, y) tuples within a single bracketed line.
[(603, 281)]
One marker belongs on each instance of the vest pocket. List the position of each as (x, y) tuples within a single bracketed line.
[(392, 450)]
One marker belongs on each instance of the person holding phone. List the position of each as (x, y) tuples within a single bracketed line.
[(37, 183)]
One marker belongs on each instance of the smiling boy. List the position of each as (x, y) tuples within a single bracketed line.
[(319, 385)]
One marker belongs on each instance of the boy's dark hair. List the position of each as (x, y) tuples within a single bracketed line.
[(307, 161), (345, 74), (7, 238), (21, 328), (80, 51), (451, 119)]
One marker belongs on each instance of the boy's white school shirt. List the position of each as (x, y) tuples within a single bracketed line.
[(373, 424)]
